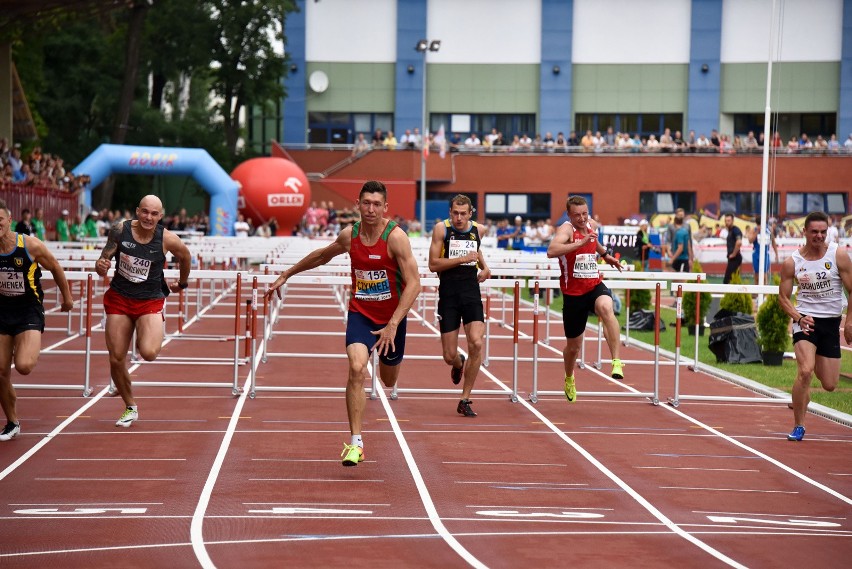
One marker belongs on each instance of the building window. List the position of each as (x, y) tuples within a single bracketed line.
[(343, 128), (651, 203), (529, 206), (748, 203), (804, 203), (506, 124)]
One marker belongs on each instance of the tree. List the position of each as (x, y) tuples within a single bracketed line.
[(246, 67)]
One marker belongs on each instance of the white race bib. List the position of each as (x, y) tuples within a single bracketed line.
[(815, 285), (586, 266), (372, 285), (134, 269), (12, 283), (462, 247)]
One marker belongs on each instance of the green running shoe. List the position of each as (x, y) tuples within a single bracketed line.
[(570, 389), (617, 369), (352, 455)]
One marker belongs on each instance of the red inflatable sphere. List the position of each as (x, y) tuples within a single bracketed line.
[(272, 187)]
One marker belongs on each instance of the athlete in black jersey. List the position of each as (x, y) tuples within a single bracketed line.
[(134, 301), (455, 255), (21, 309)]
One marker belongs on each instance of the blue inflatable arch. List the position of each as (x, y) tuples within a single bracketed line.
[(152, 160)]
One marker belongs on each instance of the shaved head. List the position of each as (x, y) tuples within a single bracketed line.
[(151, 203)]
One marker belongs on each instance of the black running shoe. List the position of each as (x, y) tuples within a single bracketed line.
[(10, 431), (456, 372), (464, 408)]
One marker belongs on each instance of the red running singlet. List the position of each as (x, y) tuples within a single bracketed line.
[(579, 270), (376, 278)]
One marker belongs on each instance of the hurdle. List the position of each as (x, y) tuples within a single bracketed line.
[(774, 396), (86, 301), (653, 396)]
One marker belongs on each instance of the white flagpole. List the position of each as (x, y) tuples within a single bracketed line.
[(767, 143)]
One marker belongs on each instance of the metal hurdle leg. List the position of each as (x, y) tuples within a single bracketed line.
[(533, 397), (674, 401), (516, 315)]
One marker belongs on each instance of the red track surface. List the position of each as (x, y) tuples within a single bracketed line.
[(208, 478)]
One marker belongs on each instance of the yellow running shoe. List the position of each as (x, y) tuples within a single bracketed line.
[(352, 455), (570, 389), (617, 371)]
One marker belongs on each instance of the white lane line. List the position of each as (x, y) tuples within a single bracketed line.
[(305, 459), (697, 468), (519, 483), (769, 515), (543, 508), (89, 504), (131, 459), (314, 504), (466, 463), (840, 473), (100, 395), (765, 457), (321, 480), (425, 497), (727, 489), (103, 479), (630, 491)]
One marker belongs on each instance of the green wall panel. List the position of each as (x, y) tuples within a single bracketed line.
[(656, 88), (799, 87), (463, 88), (354, 87)]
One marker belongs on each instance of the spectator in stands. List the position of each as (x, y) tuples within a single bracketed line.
[(518, 234), (848, 144), (263, 230), (504, 234), (361, 145), (78, 229), (63, 228), (573, 140), (526, 142), (548, 142), (38, 224), (643, 244), (538, 143), (793, 145), (714, 139), (833, 144), (378, 138), (406, 141), (472, 142), (833, 233), (241, 226), (492, 138), (703, 143), (15, 161), (25, 225), (691, 142), (678, 143), (91, 226), (587, 142), (390, 141), (805, 142), (734, 241)]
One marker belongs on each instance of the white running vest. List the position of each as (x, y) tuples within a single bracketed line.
[(820, 288)]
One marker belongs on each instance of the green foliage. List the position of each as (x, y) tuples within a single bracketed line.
[(690, 298), (639, 299), (773, 324), (737, 301)]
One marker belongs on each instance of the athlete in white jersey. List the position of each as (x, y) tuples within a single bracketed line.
[(821, 272)]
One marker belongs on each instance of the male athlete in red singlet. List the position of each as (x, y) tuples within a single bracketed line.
[(385, 284), (577, 248)]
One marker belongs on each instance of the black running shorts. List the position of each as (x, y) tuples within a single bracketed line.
[(457, 306), (825, 336), (16, 319), (576, 309)]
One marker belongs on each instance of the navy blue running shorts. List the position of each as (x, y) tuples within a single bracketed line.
[(359, 330)]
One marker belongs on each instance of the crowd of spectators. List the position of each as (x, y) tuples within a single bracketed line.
[(37, 169), (608, 141)]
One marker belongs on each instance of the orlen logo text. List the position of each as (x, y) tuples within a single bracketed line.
[(285, 200), (156, 160)]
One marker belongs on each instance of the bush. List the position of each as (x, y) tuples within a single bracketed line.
[(773, 324), (737, 301), (639, 299), (689, 300)]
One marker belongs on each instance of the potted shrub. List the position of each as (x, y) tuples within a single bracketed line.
[(689, 301), (737, 301), (773, 326)]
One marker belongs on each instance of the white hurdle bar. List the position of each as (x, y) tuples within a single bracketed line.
[(680, 288)]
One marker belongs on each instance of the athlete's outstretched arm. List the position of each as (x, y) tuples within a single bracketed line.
[(313, 260)]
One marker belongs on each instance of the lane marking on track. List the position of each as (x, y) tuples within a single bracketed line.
[(314, 504), (105, 479), (546, 508), (520, 483), (728, 489), (320, 480), (697, 468), (129, 459), (672, 455), (423, 491), (764, 456), (770, 515), (470, 463), (305, 460)]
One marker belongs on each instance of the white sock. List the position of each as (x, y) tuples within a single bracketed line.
[(134, 407), (357, 441)]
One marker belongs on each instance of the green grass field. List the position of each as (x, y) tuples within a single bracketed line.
[(773, 376)]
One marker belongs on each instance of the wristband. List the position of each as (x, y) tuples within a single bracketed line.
[(183, 285), (608, 251), (799, 321)]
